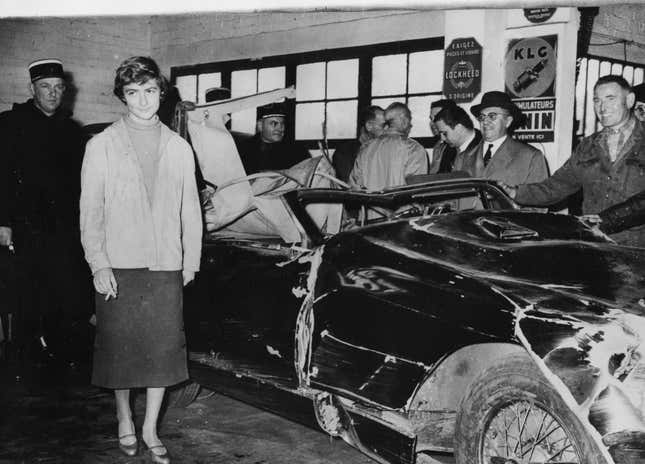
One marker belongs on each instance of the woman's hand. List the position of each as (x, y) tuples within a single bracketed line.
[(105, 283), (189, 276)]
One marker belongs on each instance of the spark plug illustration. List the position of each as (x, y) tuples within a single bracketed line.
[(529, 76)]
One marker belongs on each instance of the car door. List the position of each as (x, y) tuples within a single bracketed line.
[(244, 305)]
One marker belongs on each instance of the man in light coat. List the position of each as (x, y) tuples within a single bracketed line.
[(388, 160)]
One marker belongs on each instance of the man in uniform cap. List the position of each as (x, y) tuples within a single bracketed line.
[(499, 156), (41, 150), (639, 105), (267, 150)]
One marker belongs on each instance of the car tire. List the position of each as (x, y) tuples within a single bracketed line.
[(182, 395), (515, 388)]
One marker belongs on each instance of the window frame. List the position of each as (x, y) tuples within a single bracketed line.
[(364, 53)]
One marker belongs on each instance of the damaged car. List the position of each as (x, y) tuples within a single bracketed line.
[(431, 317)]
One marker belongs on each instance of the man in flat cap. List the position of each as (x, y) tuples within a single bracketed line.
[(608, 165), (267, 150), (41, 150), (639, 105), (499, 156)]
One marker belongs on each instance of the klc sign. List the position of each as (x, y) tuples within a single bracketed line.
[(462, 70)]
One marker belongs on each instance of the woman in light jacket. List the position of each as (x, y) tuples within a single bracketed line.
[(141, 230)]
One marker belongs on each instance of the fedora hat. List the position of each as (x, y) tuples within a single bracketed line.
[(498, 99)]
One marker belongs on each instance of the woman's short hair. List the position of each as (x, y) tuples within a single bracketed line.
[(138, 70)]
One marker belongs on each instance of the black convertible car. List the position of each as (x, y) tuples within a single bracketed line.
[(438, 317)]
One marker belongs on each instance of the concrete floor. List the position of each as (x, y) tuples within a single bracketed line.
[(55, 416)]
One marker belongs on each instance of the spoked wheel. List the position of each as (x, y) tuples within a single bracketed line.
[(524, 433), (512, 415)]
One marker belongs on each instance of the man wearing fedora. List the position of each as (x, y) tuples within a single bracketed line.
[(41, 151), (608, 165), (267, 150), (499, 156)]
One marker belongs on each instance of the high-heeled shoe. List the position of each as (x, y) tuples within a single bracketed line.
[(131, 449), (163, 458)]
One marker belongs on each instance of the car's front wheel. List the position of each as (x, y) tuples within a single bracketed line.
[(512, 415)]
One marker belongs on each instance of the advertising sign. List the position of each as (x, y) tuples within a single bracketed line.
[(462, 70), (530, 81), (538, 15)]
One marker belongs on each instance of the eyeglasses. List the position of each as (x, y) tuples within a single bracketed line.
[(490, 116)]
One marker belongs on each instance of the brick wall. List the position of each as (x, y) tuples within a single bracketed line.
[(620, 22), (194, 39), (90, 48)]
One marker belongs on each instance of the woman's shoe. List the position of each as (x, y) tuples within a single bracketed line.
[(131, 449), (163, 458)]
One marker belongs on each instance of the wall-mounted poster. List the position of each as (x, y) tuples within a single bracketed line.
[(462, 80), (530, 81)]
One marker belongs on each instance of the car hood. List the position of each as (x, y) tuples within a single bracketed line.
[(535, 256)]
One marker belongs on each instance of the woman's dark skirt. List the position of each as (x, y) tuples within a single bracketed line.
[(140, 340)]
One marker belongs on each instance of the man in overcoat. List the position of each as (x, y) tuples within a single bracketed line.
[(500, 157), (41, 150)]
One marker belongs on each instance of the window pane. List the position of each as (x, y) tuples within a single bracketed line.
[(388, 75), (628, 74), (426, 72), (244, 121), (310, 81), (341, 119), (208, 81), (187, 87), (638, 76), (384, 102), (271, 78), (420, 109), (309, 121), (580, 95), (244, 82), (342, 79)]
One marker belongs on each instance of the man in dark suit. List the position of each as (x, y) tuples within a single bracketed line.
[(443, 154), (456, 130), (500, 157)]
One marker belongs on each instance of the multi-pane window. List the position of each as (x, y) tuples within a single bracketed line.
[(411, 78), (590, 69), (193, 87), (327, 100), (248, 82), (331, 86)]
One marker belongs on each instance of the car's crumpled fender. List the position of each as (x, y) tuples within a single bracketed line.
[(592, 358)]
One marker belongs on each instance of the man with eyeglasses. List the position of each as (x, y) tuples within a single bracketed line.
[(609, 165), (41, 151), (499, 156), (639, 105)]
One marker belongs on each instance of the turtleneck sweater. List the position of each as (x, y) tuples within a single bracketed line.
[(145, 139)]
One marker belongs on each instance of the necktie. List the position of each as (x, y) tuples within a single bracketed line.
[(488, 154)]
